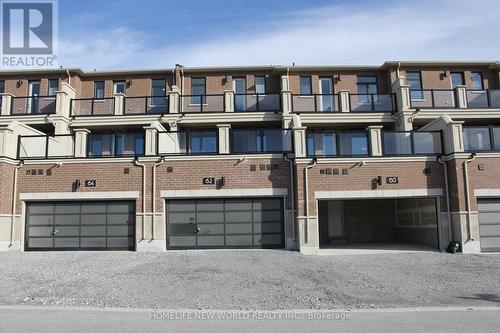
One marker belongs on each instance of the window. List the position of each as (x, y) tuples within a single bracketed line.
[(414, 80), (305, 85), (477, 138), (477, 81), (203, 142), (260, 140), (367, 85), (331, 143), (120, 144), (53, 86), (2, 90), (198, 90), (158, 92), (260, 84), (99, 89), (457, 79), (119, 87)]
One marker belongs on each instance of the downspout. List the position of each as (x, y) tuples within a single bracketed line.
[(292, 196), (306, 184), (181, 105), (448, 209), (69, 77), (154, 197), (14, 198), (143, 166), (467, 194)]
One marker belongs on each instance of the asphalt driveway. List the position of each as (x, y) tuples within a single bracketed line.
[(254, 279)]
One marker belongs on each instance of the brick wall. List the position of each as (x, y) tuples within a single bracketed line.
[(411, 176), (6, 183), (217, 83), (432, 78)]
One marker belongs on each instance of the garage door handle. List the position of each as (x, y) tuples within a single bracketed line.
[(54, 232), (197, 230)]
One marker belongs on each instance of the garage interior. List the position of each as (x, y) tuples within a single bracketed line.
[(378, 224)]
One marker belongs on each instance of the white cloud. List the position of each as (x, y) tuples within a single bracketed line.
[(349, 34)]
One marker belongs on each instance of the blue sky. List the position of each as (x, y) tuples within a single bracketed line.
[(155, 33)]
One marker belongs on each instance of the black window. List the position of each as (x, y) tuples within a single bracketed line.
[(198, 90), (414, 80), (260, 84), (99, 89), (477, 81), (457, 79), (305, 85), (53, 86), (203, 142), (367, 84), (158, 92)]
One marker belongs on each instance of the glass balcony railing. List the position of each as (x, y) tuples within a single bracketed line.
[(45, 146), (411, 143), (332, 143), (202, 103), (192, 142), (145, 105), (32, 105), (481, 138), (257, 102), (372, 103), (261, 140), (433, 98), (482, 99), (93, 106), (315, 103)]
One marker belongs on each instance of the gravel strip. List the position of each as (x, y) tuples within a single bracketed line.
[(254, 279)]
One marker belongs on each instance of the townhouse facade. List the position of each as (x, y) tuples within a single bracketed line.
[(301, 158)]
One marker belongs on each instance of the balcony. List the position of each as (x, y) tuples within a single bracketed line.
[(481, 138), (315, 103), (257, 102), (332, 143), (116, 144), (411, 143), (31, 105), (191, 142), (92, 107), (261, 141), (202, 103), (372, 103), (433, 98), (45, 147), (145, 105), (483, 99)]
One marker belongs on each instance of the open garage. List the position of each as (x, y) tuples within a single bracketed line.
[(399, 223)]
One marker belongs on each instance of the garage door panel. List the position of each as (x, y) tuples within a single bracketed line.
[(209, 217), (269, 240), (489, 218), (241, 240), (67, 231), (239, 228), (268, 227), (120, 218), (40, 209), (126, 230), (120, 242), (93, 219), (489, 205), (210, 206), (96, 242), (216, 241), (40, 231), (182, 217), (182, 241), (211, 229), (238, 205), (182, 229), (67, 208), (267, 216), (67, 219), (41, 242), (41, 220), (181, 206), (490, 242), (238, 217), (267, 204), (490, 230), (84, 225), (93, 230), (61, 242)]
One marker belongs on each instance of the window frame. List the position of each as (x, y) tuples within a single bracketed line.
[(480, 73), (419, 93), (114, 144), (118, 82), (462, 78), (103, 89), (194, 97), (265, 84), (309, 78), (49, 81)]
